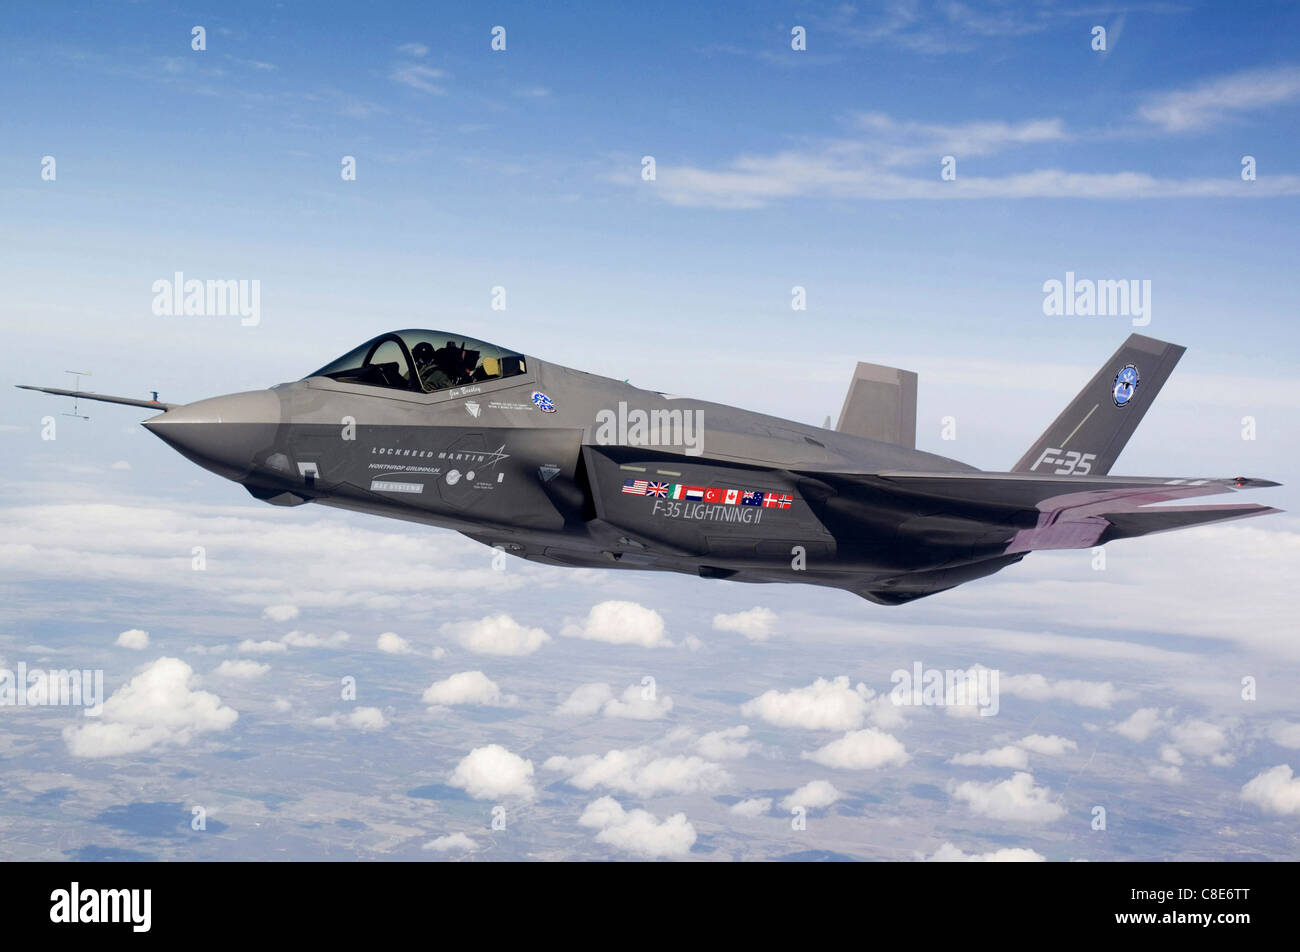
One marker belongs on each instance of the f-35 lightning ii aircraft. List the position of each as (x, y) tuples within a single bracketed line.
[(568, 468)]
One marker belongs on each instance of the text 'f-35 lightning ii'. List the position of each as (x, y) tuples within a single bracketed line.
[(572, 469)]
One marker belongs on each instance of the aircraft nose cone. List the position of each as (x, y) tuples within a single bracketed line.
[(221, 434)]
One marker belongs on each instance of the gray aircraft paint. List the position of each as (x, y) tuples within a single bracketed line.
[(883, 520)]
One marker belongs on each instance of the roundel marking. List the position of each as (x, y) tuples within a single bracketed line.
[(1126, 382)]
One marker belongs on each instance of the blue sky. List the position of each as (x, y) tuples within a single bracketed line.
[(521, 168), (775, 168)]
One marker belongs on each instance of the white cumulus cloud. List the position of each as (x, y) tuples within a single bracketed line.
[(621, 623), (823, 705), (1035, 687), (640, 771), (865, 749), (585, 700), (1285, 735), (638, 831), (1201, 740), (813, 795), (756, 624), (362, 719), (487, 773), (468, 687), (135, 639), (726, 744), (1140, 725), (241, 669), (638, 702), (948, 853), (452, 843), (305, 639), (497, 635), (1049, 745), (752, 807), (158, 706), (1274, 790), (1016, 799), (390, 642)]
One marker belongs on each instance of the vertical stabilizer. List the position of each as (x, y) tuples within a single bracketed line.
[(881, 405), (1088, 436)]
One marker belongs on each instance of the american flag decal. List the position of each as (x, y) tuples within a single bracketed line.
[(635, 487)]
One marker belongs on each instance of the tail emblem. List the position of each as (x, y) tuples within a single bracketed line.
[(1126, 382)]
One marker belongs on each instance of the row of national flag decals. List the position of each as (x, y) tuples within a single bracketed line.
[(711, 494)]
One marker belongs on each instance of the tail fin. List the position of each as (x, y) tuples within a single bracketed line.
[(1089, 435), (881, 405)]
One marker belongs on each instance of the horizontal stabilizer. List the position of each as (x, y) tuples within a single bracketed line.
[(881, 405), (1080, 528), (1128, 525), (1061, 512), (1027, 491)]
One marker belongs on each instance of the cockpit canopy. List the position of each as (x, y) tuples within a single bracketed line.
[(423, 361)]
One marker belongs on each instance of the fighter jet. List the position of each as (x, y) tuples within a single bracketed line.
[(568, 468)]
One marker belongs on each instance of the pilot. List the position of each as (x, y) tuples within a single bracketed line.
[(457, 363), (469, 365), (432, 376)]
